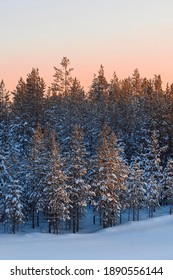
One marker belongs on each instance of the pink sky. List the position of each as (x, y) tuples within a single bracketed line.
[(119, 34)]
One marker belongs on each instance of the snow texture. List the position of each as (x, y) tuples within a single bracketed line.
[(148, 239)]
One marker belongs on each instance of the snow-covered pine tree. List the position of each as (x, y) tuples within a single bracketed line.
[(168, 184), (1, 202), (5, 179), (11, 205), (35, 174), (56, 190), (110, 177), (152, 174), (14, 206), (76, 172), (135, 189)]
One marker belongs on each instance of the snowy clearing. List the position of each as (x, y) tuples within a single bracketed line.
[(147, 239)]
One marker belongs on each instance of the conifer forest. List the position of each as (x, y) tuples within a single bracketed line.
[(64, 149)]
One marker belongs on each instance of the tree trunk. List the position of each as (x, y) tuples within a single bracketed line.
[(94, 219), (138, 214), (38, 219), (120, 217), (77, 223), (133, 213), (74, 225), (49, 227), (14, 228), (129, 215), (33, 218)]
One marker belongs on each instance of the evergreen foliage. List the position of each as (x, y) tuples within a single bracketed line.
[(135, 189), (56, 190), (110, 179), (76, 172), (60, 149), (168, 183)]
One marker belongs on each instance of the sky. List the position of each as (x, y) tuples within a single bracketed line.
[(119, 34)]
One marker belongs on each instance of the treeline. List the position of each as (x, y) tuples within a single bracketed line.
[(64, 148)]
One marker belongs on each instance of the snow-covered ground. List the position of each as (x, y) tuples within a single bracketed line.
[(146, 239)]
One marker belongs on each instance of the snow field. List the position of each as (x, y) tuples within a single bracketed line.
[(148, 239)]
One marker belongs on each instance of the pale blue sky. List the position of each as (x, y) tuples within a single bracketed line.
[(120, 34)]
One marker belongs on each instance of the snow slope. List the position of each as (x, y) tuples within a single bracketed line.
[(148, 239)]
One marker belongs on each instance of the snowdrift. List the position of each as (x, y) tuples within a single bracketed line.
[(148, 239)]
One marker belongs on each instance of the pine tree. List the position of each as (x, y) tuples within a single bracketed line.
[(76, 172), (4, 116), (19, 95), (114, 89), (5, 178), (35, 174), (168, 183), (14, 206), (98, 90), (4, 101), (35, 88), (110, 179), (136, 82), (153, 174), (27, 109), (114, 100), (11, 195), (62, 79), (28, 98), (135, 189), (157, 84), (56, 191), (73, 108)]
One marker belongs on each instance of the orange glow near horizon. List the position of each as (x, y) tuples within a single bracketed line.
[(85, 74)]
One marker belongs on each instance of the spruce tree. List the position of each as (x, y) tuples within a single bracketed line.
[(11, 197), (135, 189), (153, 173), (5, 107), (111, 175), (28, 98), (98, 90), (5, 179), (76, 172), (168, 183), (14, 206), (19, 95), (35, 174), (56, 190)]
